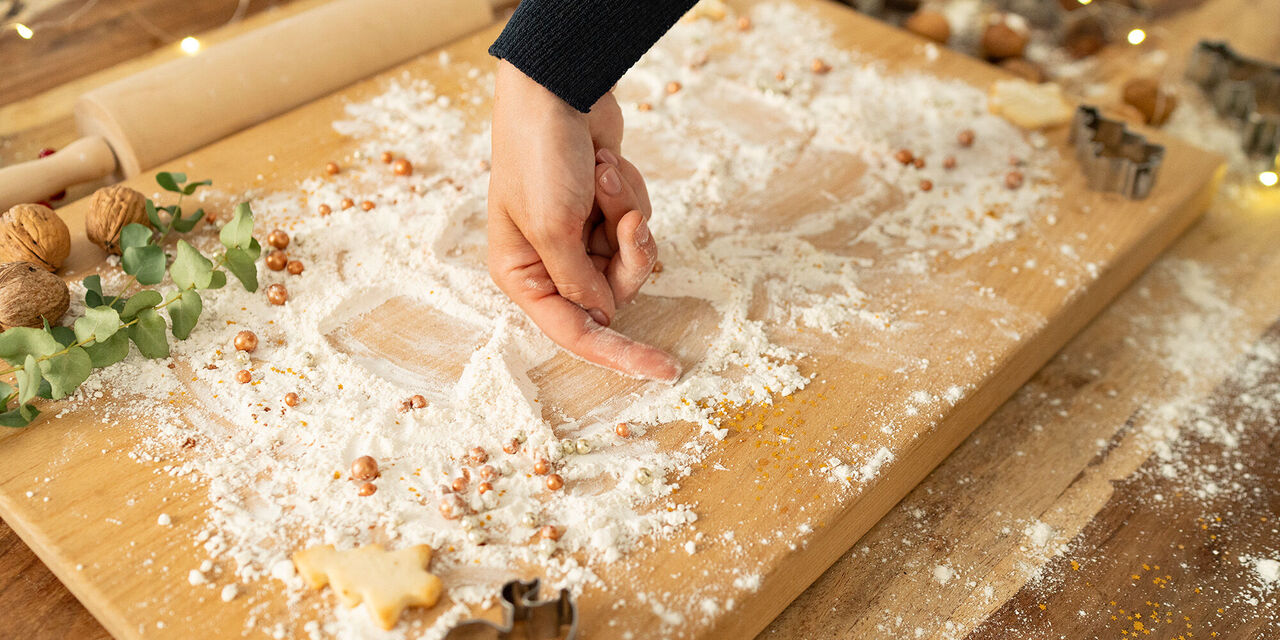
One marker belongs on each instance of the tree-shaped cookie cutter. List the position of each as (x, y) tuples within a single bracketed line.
[(542, 619), (1112, 157), (1241, 89)]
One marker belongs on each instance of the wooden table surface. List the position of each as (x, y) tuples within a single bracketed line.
[(1072, 450)]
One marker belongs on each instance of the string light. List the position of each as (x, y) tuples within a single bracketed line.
[(1137, 36), (24, 31), (190, 46), (1085, 2), (1268, 178)]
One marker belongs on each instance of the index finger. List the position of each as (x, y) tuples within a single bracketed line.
[(569, 326)]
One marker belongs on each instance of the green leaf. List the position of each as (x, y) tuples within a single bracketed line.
[(191, 188), (184, 311), (237, 233), (19, 417), (109, 351), (97, 324), (64, 335), (66, 371), (92, 291), (190, 269), (145, 264), (243, 265), (145, 299), (28, 380), (19, 342), (153, 214), (149, 334), (6, 394), (218, 281), (134, 235), (185, 225), (170, 181)]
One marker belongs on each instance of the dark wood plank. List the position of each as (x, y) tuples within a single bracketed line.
[(36, 606), (1161, 561)]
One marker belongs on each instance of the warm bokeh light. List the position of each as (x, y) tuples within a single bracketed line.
[(1137, 36), (1268, 178), (190, 45), (24, 31)]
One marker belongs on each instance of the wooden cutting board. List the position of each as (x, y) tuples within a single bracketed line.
[(74, 495)]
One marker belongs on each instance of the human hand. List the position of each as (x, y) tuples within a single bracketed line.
[(569, 238)]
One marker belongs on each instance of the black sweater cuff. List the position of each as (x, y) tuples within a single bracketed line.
[(579, 49)]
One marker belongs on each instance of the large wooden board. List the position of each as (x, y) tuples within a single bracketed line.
[(94, 529)]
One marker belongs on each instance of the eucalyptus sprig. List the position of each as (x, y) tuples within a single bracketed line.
[(53, 361)]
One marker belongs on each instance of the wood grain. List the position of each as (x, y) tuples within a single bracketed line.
[(1024, 462)]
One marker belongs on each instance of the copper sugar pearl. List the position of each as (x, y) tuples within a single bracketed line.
[(246, 341), (364, 468)]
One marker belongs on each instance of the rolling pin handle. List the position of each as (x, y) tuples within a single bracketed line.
[(81, 161)]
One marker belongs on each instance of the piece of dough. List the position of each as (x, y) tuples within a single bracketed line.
[(385, 581)]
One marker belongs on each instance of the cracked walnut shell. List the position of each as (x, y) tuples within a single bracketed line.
[(29, 295), (34, 233), (110, 209)]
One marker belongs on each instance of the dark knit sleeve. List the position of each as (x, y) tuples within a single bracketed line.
[(579, 49)]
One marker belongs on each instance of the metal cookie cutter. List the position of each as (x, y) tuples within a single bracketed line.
[(1241, 89), (543, 619), (1112, 157)]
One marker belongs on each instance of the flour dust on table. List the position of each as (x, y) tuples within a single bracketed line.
[(390, 341)]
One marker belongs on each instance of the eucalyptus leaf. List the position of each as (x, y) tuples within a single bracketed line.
[(92, 291), (146, 264), (109, 351), (184, 311), (145, 299), (191, 188), (149, 334), (153, 214), (66, 371), (19, 417), (19, 342), (237, 233), (242, 264), (170, 181), (185, 225), (28, 380), (190, 269), (134, 235), (6, 394), (97, 324), (64, 335), (218, 281)]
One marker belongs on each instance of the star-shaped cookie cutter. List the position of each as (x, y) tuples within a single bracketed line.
[(1112, 157), (1241, 89), (543, 619)]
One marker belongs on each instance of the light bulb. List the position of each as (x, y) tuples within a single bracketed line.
[(1137, 36), (190, 46), (24, 31), (1268, 178)]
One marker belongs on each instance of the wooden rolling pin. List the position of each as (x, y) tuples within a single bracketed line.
[(139, 122)]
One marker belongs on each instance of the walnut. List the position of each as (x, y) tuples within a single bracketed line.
[(29, 295), (34, 233), (110, 209)]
